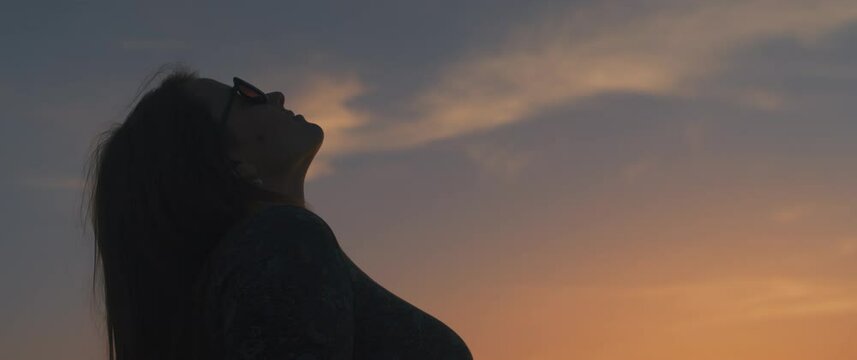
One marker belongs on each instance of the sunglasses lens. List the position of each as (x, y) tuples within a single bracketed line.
[(250, 92)]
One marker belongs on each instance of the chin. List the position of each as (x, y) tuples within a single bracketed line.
[(320, 132)]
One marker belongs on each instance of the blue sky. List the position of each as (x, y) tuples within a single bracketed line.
[(544, 175)]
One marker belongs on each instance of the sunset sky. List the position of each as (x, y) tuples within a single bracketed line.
[(592, 180)]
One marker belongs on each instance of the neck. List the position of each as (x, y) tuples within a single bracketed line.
[(282, 190), (282, 187)]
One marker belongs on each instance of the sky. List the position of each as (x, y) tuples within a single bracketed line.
[(595, 180)]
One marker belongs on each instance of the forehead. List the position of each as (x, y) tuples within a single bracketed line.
[(210, 89), (214, 93)]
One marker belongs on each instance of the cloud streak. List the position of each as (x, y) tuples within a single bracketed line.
[(757, 299), (497, 160), (324, 101), (52, 183), (791, 214), (567, 55)]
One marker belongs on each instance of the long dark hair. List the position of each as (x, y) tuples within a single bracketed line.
[(162, 194)]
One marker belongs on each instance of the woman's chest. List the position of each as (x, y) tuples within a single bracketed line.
[(388, 327)]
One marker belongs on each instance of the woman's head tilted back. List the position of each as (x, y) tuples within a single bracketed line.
[(271, 141), (165, 188)]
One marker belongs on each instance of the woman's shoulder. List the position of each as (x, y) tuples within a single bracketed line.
[(275, 233), (284, 212), (279, 270), (276, 228), (278, 225)]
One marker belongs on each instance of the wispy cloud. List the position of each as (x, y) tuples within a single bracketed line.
[(847, 247), (751, 299), (324, 100), (52, 182), (790, 214), (635, 170), (569, 55), (762, 99), (497, 160)]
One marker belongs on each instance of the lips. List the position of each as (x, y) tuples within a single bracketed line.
[(300, 118)]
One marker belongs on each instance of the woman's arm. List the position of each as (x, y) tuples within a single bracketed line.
[(290, 296)]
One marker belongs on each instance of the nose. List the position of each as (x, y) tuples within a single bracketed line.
[(277, 97)]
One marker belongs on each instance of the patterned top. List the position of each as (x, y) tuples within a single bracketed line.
[(280, 287)]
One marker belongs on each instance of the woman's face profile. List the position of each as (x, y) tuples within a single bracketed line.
[(271, 138)]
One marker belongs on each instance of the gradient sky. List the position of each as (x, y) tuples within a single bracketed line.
[(554, 180)]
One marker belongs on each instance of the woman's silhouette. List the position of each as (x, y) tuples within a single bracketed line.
[(207, 249)]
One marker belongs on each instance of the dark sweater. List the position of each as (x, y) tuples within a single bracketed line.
[(279, 286)]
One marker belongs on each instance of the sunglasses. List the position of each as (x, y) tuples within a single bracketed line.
[(247, 91)]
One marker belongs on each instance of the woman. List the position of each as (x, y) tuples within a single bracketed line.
[(207, 248)]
